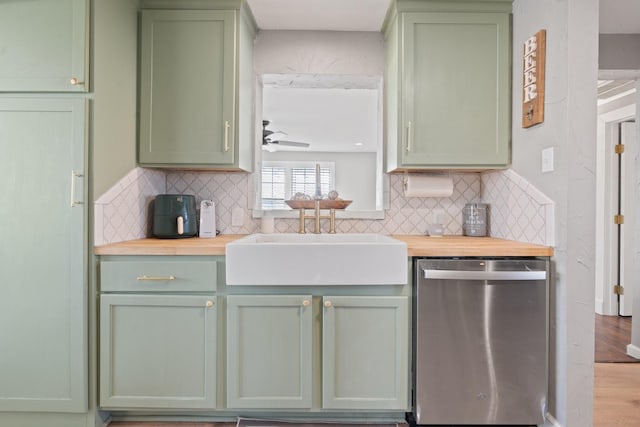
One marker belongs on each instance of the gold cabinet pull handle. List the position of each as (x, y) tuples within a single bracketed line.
[(75, 81), (306, 303), (409, 137), (226, 135), (155, 278), (209, 304), (74, 176), (328, 303)]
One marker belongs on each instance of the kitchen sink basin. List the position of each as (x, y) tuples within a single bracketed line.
[(316, 259)]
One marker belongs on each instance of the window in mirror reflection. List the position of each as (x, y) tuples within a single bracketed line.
[(282, 180)]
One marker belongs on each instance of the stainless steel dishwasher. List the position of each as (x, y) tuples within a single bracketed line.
[(480, 341)]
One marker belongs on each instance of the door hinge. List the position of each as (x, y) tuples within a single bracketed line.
[(618, 290), (619, 148), (618, 219)]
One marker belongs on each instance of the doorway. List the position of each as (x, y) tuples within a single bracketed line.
[(616, 205), (615, 197)]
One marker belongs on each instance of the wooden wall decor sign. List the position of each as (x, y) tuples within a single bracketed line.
[(534, 59)]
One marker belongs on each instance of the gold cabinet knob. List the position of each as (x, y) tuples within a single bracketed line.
[(328, 303), (306, 303), (209, 303)]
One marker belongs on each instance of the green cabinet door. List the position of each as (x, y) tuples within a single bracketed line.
[(187, 88), (455, 91), (269, 344), (43, 45), (158, 351), (43, 300), (365, 353)]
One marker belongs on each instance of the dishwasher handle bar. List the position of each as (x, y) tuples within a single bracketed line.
[(485, 275)]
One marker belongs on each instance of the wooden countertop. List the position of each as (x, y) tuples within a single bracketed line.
[(449, 246), (190, 246), (470, 246)]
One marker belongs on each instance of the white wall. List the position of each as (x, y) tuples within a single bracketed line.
[(323, 52), (569, 127)]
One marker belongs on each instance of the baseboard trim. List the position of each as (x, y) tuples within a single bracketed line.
[(599, 306), (633, 351), (551, 421)]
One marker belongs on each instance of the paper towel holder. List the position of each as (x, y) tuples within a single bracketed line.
[(428, 184)]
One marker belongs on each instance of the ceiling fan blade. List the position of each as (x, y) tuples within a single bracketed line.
[(292, 143)]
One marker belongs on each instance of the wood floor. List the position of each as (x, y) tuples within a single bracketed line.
[(616, 395), (613, 333), (171, 424), (616, 391)]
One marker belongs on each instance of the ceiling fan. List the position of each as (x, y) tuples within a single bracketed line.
[(268, 139)]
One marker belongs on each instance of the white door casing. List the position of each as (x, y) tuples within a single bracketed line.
[(607, 207), (627, 194)]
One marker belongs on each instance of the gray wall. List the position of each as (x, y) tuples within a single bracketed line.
[(619, 52), (569, 127), (325, 52), (115, 41)]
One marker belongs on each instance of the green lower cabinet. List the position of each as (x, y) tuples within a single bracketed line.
[(43, 279), (269, 351), (365, 352), (158, 351)]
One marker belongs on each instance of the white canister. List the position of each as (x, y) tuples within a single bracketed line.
[(207, 219), (267, 225)]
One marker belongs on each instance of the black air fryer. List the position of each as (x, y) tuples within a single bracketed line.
[(174, 216)]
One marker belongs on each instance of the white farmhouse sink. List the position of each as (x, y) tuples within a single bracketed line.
[(316, 259)]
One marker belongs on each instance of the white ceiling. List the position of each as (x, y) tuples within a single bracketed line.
[(328, 15), (616, 16), (620, 16)]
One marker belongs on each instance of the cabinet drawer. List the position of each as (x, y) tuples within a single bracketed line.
[(158, 276)]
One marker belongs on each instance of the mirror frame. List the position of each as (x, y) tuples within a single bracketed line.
[(320, 81)]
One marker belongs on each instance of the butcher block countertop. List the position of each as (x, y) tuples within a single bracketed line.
[(457, 246), (447, 246)]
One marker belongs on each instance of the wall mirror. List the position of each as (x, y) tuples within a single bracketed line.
[(331, 120)]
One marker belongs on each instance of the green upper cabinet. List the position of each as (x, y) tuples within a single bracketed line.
[(43, 46), (448, 78), (43, 297), (269, 351), (189, 89), (365, 352)]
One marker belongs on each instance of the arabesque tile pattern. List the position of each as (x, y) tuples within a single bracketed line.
[(517, 210)]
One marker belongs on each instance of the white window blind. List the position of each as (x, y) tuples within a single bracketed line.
[(273, 187), (281, 180), (303, 180)]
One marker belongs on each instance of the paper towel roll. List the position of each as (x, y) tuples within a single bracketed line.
[(428, 186)]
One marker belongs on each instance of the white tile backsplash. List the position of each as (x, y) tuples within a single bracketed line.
[(517, 211), (404, 216), (122, 213)]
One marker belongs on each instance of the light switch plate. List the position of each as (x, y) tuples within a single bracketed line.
[(237, 217), (547, 160)]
